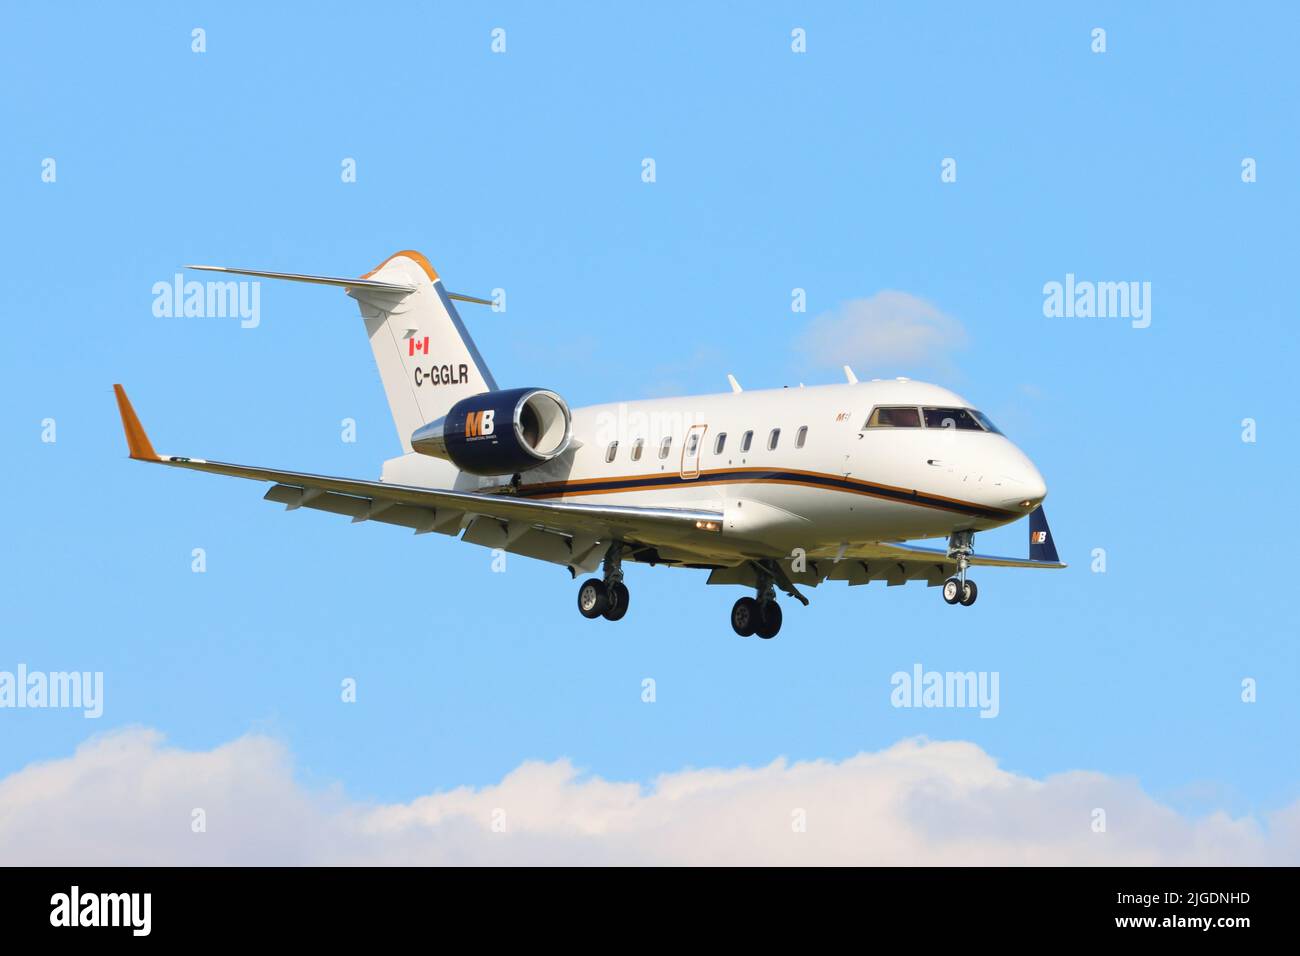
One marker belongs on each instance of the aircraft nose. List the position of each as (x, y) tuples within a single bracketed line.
[(1035, 489), (1022, 486)]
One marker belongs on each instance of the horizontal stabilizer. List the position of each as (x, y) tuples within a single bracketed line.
[(340, 281), (315, 280)]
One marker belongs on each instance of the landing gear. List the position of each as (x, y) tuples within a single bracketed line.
[(770, 620), (958, 589), (759, 615), (744, 616), (607, 597), (952, 590), (593, 598), (618, 600)]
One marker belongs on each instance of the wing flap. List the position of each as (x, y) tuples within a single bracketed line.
[(362, 509)]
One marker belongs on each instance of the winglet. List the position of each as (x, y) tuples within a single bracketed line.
[(137, 442), (1041, 545)]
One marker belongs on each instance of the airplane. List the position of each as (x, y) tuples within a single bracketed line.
[(775, 488)]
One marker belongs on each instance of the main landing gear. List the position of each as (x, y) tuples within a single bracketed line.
[(605, 597), (959, 590), (760, 614)]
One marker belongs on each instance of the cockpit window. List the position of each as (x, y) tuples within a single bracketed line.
[(959, 418), (894, 417), (986, 422)]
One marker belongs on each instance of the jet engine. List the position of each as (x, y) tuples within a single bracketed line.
[(499, 433)]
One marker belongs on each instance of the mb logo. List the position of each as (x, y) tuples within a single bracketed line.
[(1039, 537), (479, 424)]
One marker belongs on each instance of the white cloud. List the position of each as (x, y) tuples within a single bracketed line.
[(890, 331), (125, 798)]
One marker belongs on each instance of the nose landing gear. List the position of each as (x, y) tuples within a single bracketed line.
[(957, 589)]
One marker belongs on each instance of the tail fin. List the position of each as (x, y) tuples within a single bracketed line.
[(426, 358)]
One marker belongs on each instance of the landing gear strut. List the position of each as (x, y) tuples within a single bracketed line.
[(607, 596), (760, 614), (959, 590)]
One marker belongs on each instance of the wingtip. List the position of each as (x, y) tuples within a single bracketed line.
[(137, 442)]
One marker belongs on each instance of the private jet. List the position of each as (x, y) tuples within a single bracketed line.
[(767, 489)]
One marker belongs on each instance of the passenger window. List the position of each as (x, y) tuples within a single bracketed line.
[(773, 438), (894, 417), (720, 443), (746, 440), (692, 443), (664, 445), (801, 436), (957, 418), (611, 451), (636, 449)]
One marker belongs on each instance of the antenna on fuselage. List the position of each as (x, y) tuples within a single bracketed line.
[(848, 374), (735, 386)]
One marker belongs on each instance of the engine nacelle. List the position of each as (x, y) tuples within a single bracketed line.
[(499, 433)]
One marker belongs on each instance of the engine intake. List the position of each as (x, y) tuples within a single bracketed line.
[(499, 433)]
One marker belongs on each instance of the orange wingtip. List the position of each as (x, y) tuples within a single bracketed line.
[(137, 442)]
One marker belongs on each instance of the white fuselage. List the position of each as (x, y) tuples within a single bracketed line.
[(842, 482)]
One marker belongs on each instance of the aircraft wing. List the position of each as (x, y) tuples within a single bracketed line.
[(908, 552), (564, 532), (928, 561), (896, 564)]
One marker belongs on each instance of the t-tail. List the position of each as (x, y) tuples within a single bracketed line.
[(426, 357)]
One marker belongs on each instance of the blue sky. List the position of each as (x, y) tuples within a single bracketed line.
[(775, 170)]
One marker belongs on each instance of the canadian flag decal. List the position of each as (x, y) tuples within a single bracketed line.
[(420, 346)]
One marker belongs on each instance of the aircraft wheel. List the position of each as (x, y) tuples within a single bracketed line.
[(618, 599), (744, 616), (769, 624), (952, 590), (969, 593), (593, 598)]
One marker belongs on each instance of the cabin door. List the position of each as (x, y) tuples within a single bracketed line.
[(691, 451)]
